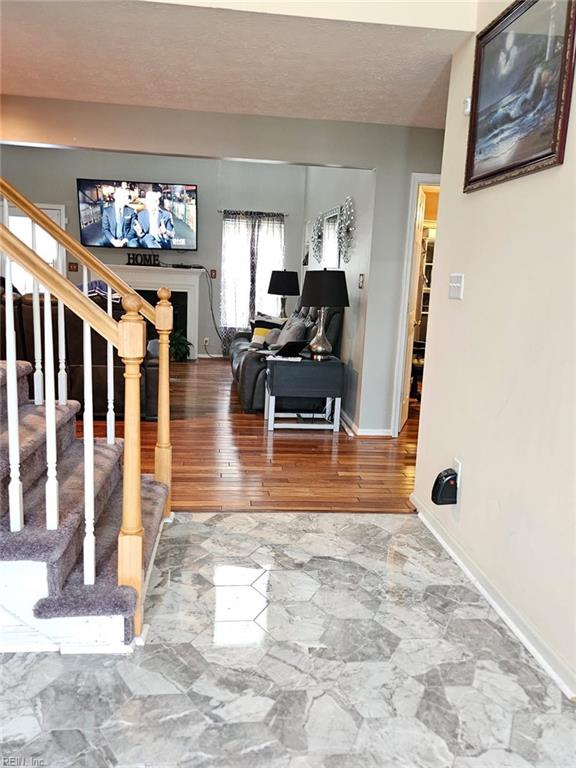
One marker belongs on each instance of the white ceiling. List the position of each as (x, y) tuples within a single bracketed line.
[(214, 60)]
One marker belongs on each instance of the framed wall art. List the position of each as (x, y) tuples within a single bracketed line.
[(523, 74)]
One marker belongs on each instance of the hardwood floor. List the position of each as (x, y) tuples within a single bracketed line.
[(223, 459)]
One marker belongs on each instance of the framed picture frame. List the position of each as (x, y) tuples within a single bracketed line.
[(523, 75)]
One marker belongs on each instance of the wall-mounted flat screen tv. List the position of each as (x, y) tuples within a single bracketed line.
[(138, 214)]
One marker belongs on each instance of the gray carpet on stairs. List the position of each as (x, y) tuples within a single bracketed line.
[(32, 433), (105, 597), (23, 370), (60, 548)]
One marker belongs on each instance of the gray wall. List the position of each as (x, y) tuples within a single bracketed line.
[(49, 176), (393, 152), (326, 188)]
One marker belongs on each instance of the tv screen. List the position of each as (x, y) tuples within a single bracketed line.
[(137, 214)]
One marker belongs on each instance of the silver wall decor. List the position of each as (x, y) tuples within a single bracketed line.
[(346, 229), (317, 237)]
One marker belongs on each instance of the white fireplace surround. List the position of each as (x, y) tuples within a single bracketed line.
[(181, 280)]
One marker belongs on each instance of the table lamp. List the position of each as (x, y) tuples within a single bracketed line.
[(283, 283), (323, 288)]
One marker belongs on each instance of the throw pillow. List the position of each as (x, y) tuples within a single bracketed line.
[(275, 322), (294, 330), (262, 325), (272, 336)]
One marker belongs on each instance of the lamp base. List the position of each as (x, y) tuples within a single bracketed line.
[(283, 314), (320, 347)]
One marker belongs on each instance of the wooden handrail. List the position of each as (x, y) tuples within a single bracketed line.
[(62, 288), (72, 246)]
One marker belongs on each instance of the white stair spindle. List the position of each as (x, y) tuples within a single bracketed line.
[(110, 417), (37, 326), (89, 540), (38, 374), (52, 511), (62, 377), (15, 485)]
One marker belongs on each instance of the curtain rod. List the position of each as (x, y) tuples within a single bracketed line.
[(257, 213)]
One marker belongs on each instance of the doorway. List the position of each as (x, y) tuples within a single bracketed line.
[(418, 276)]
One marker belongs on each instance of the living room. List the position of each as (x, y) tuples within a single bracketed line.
[(302, 194), (326, 624)]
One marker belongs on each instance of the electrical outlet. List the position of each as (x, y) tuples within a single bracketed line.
[(457, 467), (213, 274), (206, 341), (72, 266)]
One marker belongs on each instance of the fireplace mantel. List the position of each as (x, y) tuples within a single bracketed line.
[(184, 280)]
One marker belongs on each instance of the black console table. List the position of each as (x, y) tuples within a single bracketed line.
[(306, 378)]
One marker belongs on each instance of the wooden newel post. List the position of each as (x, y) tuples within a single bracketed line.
[(132, 349), (163, 450)]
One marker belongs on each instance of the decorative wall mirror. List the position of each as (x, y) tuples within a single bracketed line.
[(332, 235), (346, 228), (330, 256)]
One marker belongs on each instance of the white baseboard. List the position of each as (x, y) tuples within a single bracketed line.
[(204, 356), (116, 649), (364, 432), (563, 676)]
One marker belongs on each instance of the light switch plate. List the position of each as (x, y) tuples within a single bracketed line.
[(456, 286)]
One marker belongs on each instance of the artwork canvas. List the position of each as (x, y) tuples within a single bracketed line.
[(521, 94)]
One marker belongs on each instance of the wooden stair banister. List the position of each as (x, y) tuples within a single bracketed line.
[(71, 245), (128, 335), (62, 288), (163, 449), (132, 349)]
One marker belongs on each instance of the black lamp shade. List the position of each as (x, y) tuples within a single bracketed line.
[(283, 283), (325, 288)]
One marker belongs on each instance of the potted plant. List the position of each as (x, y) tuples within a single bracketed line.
[(179, 346)]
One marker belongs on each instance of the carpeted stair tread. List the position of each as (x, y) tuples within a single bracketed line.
[(32, 423), (34, 542), (23, 370), (105, 597)]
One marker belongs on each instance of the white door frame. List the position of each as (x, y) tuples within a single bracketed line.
[(417, 180)]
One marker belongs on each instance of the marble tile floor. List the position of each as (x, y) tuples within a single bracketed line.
[(295, 641)]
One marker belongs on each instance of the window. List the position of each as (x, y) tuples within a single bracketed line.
[(252, 246)]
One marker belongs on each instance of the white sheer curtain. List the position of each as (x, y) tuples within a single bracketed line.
[(252, 246), (235, 283), (269, 256)]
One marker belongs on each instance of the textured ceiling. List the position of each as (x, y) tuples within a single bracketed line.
[(214, 60)]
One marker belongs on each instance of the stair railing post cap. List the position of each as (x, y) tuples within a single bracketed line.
[(164, 294), (132, 303)]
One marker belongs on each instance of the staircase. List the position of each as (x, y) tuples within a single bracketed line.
[(79, 523)]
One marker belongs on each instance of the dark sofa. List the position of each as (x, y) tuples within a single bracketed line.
[(249, 364), (24, 327)]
